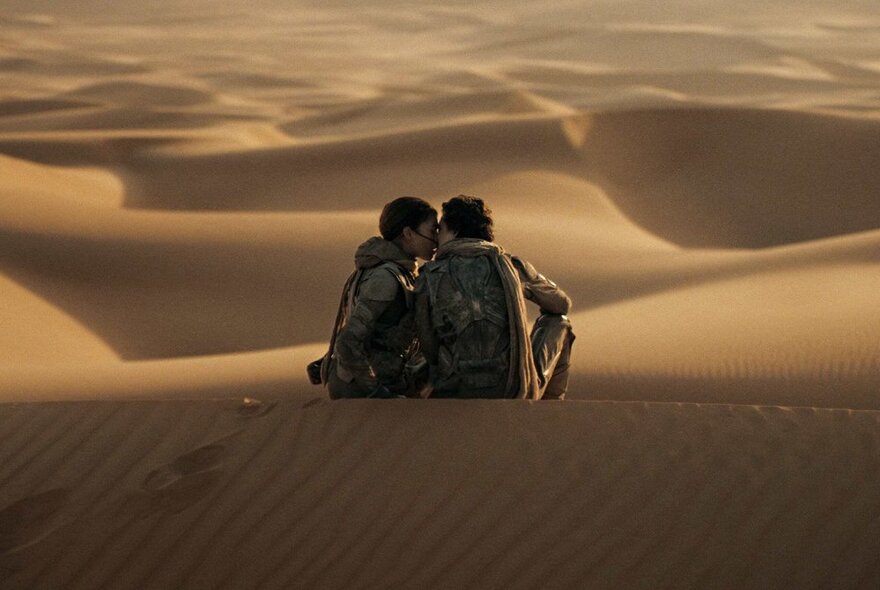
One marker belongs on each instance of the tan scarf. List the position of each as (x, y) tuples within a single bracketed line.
[(522, 362)]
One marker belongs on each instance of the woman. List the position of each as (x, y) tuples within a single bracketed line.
[(373, 339)]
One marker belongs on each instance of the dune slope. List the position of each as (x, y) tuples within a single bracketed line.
[(438, 494)]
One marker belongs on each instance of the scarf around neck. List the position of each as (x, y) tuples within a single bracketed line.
[(467, 247)]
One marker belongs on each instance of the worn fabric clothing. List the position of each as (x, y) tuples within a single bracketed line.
[(537, 366), (540, 290), (377, 251), (552, 335), (471, 321), (552, 339), (373, 337)]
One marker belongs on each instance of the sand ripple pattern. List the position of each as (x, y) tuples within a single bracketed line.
[(438, 495)]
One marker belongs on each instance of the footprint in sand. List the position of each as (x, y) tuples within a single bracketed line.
[(30, 520), (254, 408), (186, 480)]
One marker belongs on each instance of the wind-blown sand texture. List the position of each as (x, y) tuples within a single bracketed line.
[(182, 186), (426, 495)]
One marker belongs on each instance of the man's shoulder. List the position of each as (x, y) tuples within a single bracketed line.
[(524, 267), (433, 266), (430, 274)]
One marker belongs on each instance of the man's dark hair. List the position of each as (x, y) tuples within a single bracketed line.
[(469, 217), (404, 212)]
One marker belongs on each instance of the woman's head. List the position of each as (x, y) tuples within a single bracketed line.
[(466, 217), (411, 223)]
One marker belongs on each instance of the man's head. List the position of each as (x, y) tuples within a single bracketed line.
[(466, 217)]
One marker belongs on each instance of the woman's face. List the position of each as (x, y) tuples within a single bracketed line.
[(421, 242), (445, 234)]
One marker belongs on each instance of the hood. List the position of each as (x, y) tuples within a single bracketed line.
[(377, 250)]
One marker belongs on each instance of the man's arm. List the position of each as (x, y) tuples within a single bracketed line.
[(376, 292), (538, 288)]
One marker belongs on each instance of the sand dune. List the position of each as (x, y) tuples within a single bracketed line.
[(114, 119), (223, 285), (159, 285), (755, 85), (181, 191), (435, 161), (740, 178), (653, 50), (437, 494), (266, 373), (693, 348), (137, 93), (247, 81), (791, 192), (36, 21), (50, 63), (15, 108), (373, 117), (59, 339)]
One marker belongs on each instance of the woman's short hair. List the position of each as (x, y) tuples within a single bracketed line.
[(404, 212), (469, 217)]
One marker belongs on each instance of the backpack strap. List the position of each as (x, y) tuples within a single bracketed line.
[(346, 300), (404, 278), (349, 296)]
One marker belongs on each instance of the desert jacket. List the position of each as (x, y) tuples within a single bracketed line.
[(374, 333), (471, 320)]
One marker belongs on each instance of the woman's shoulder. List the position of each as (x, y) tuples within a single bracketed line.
[(380, 283)]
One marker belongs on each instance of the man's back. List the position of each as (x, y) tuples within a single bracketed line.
[(471, 317), (469, 346)]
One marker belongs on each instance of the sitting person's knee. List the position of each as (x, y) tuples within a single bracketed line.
[(553, 321)]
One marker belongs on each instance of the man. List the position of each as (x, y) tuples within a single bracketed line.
[(471, 319)]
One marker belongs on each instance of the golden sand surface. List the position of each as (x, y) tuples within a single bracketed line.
[(440, 494), (183, 185)]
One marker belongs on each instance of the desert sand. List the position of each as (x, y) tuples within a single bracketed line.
[(182, 186)]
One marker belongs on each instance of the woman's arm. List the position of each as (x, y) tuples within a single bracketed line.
[(375, 293)]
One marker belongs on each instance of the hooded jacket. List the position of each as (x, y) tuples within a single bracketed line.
[(374, 334)]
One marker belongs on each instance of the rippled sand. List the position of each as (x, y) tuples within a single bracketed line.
[(181, 191)]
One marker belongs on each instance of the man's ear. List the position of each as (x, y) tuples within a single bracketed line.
[(407, 233)]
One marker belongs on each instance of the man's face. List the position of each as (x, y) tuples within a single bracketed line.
[(445, 233)]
